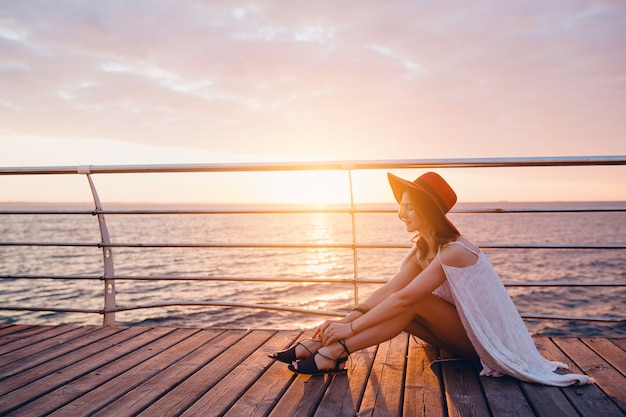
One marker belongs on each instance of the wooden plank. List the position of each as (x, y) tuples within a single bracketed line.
[(108, 392), (505, 397), (619, 341), (383, 393), (58, 373), (143, 395), (22, 359), (586, 399), (302, 396), (66, 359), (609, 351), (82, 396), (463, 392), (547, 400), (422, 393), (25, 341), (230, 349), (263, 395), (19, 332), (607, 377), (42, 342), (223, 394), (12, 328), (4, 327), (344, 394), (183, 341)]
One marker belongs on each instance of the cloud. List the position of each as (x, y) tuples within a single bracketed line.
[(324, 79)]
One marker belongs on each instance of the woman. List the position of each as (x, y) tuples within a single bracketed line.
[(446, 293)]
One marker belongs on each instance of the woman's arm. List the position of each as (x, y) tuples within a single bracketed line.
[(425, 283), (397, 303), (406, 274)]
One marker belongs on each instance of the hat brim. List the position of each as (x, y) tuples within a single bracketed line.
[(400, 185)]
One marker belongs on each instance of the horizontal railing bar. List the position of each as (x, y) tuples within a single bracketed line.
[(314, 245), (73, 244), (552, 246), (64, 212), (52, 309), (326, 165), (196, 211), (565, 284), (275, 308), (200, 278), (212, 245), (300, 280), (511, 210), (50, 276), (610, 209), (573, 318)]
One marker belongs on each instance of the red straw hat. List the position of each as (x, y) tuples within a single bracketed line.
[(430, 183)]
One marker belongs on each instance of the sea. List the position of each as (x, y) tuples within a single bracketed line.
[(312, 264)]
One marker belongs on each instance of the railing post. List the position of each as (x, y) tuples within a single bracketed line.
[(107, 254), (349, 166)]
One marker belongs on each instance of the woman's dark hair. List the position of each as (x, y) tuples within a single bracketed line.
[(430, 214)]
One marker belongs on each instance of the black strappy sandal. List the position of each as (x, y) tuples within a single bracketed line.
[(309, 367), (289, 355)]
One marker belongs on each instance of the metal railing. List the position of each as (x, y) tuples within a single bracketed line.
[(109, 277)]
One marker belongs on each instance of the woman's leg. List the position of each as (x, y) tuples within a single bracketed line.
[(439, 324), (432, 319)]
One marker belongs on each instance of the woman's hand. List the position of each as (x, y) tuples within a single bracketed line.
[(319, 330), (330, 332)]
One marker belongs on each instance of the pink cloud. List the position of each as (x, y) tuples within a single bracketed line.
[(324, 78)]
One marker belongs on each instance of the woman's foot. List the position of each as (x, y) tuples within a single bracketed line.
[(301, 350), (329, 359)]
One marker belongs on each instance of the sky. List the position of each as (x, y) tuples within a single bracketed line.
[(189, 81)]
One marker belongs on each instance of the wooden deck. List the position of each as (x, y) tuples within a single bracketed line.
[(124, 371)]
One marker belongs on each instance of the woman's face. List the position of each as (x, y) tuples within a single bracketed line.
[(408, 215)]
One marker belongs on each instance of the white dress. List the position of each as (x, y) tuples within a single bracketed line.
[(495, 327)]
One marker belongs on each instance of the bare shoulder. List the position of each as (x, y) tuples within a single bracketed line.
[(459, 255)]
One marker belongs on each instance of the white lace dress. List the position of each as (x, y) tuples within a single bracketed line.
[(495, 327)]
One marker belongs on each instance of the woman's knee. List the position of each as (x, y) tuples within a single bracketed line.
[(432, 306)]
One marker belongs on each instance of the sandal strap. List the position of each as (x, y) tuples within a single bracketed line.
[(343, 344), (289, 355), (302, 344), (338, 362), (324, 356)]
